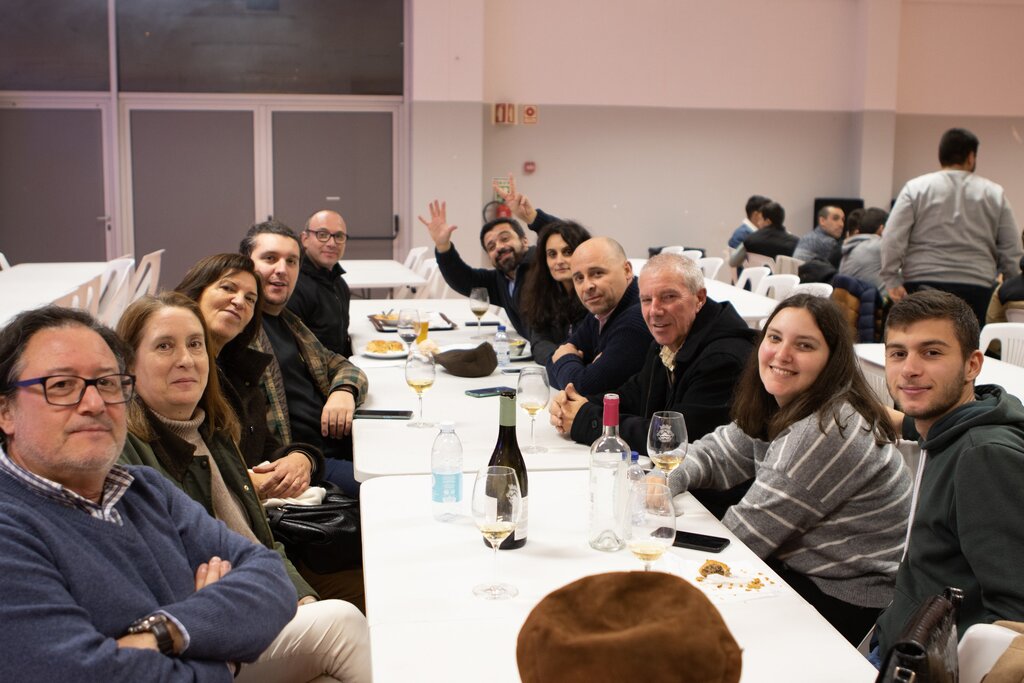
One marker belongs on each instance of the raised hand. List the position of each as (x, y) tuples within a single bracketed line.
[(438, 226), (519, 204)]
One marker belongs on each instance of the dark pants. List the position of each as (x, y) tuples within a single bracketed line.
[(976, 296), (851, 620), (340, 473)]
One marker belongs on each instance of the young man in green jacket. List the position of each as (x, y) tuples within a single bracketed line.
[(966, 531)]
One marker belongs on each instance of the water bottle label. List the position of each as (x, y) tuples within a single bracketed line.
[(447, 487), (523, 524)]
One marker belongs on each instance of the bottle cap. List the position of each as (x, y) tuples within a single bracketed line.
[(634, 456), (611, 410), (447, 426), (501, 328)]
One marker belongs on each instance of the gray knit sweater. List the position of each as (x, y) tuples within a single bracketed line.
[(832, 505)]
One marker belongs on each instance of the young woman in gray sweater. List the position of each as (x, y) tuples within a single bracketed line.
[(829, 503)]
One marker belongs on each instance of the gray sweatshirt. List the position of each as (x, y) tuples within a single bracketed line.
[(832, 505), (950, 226)]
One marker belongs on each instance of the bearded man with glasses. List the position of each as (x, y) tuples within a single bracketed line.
[(321, 298)]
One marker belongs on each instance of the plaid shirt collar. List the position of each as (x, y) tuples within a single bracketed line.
[(114, 487)]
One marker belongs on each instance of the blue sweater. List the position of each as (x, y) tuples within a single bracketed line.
[(72, 585), (622, 345)]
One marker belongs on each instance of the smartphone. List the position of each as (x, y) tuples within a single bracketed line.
[(485, 323), (489, 391), (711, 544), (383, 414), (510, 371)]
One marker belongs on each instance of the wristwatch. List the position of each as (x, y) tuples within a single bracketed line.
[(157, 625)]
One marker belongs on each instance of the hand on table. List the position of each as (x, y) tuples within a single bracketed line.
[(438, 226), (336, 420), (564, 407)]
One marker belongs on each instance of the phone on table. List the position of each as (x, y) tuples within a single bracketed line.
[(368, 414), (510, 371), (711, 544), (489, 391)]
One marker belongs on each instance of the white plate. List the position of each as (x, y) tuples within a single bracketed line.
[(390, 355)]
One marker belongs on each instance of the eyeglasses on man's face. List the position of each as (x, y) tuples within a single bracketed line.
[(323, 235), (68, 390)]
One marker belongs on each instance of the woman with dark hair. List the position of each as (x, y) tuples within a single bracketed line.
[(180, 424), (548, 300), (227, 289), (829, 503)]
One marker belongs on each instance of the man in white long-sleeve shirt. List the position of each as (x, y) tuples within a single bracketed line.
[(951, 230)]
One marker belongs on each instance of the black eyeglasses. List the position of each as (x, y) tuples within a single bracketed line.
[(323, 236), (68, 390)]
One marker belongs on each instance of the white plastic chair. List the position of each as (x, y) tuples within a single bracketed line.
[(777, 287), (674, 249), (147, 276), (710, 265), (85, 297), (116, 290), (4, 264), (693, 254), (821, 289), (1011, 340), (729, 273), (1015, 315), (980, 648), (787, 265), (753, 276), (412, 262), (637, 264), (757, 260)]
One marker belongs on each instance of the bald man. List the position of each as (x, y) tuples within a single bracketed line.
[(609, 345), (321, 297)]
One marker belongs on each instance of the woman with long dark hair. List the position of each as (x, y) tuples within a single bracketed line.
[(548, 300), (829, 502)]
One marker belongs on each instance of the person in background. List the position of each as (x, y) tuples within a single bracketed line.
[(1008, 296), (321, 297), (311, 392), (829, 502), (966, 530), (862, 249), (549, 304), (824, 241), (951, 230), (609, 345), (771, 240), (751, 223)]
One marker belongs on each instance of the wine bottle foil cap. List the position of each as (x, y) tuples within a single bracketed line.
[(611, 410)]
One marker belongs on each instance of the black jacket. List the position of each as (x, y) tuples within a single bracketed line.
[(462, 277), (770, 241), (321, 300), (707, 366)]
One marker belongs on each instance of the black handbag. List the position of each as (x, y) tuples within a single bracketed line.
[(925, 651), (325, 537)]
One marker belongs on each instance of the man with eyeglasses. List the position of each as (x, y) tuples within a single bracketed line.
[(321, 297), (109, 572)]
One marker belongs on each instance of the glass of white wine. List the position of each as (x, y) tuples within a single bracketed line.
[(667, 440), (496, 505), (419, 375), (652, 521), (479, 302), (408, 326), (532, 395)]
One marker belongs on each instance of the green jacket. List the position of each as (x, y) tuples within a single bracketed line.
[(968, 531), (173, 457)]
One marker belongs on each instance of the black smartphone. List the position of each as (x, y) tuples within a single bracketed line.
[(510, 371), (383, 414), (711, 544), (489, 391)]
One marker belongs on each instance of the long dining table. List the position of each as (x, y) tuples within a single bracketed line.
[(419, 572), (29, 285)]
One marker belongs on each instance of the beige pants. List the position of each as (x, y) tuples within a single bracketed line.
[(326, 641)]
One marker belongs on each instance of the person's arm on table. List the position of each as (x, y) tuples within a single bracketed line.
[(622, 354)]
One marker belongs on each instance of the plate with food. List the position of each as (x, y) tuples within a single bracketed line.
[(735, 581), (384, 349)]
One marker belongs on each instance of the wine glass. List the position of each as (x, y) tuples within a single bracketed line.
[(408, 326), (479, 302), (652, 521), (532, 394), (666, 440), (496, 505), (419, 375)]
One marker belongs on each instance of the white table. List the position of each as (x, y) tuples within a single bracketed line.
[(1006, 375), (30, 285), (379, 274), (426, 625), (753, 308)]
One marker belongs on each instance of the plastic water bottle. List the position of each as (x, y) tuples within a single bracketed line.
[(501, 347), (446, 473), (630, 473), (607, 454)]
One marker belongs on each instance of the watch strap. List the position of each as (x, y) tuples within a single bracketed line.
[(157, 625)]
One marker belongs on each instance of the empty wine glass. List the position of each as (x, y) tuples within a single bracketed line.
[(479, 302), (652, 521), (496, 506), (532, 395), (419, 375), (667, 440), (408, 326)]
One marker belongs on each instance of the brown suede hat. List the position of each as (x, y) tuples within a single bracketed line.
[(478, 362), (627, 626)]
